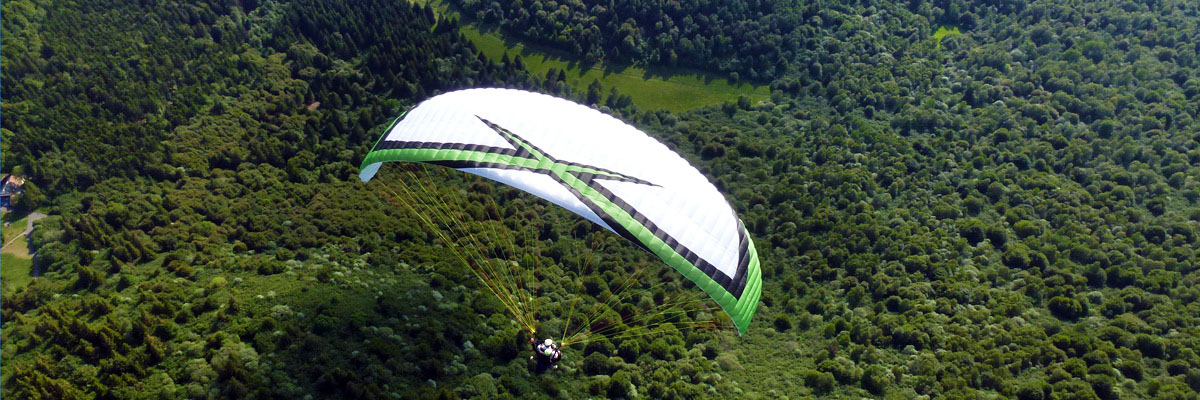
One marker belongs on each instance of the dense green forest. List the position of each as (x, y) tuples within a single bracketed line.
[(1012, 211)]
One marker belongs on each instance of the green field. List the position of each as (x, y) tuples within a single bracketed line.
[(15, 272), (15, 262), (18, 225), (651, 88), (674, 89)]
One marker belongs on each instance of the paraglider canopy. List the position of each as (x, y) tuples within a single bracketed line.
[(593, 165)]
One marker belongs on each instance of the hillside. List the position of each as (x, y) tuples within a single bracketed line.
[(1009, 211)]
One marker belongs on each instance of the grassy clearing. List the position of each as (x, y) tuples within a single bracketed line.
[(651, 88), (18, 225), (943, 31), (19, 248), (674, 89), (15, 272), (16, 264)]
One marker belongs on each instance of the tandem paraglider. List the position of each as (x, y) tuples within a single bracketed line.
[(589, 163)]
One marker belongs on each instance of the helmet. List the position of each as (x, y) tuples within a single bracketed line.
[(549, 342)]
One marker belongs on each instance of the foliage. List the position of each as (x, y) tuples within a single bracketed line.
[(1013, 214)]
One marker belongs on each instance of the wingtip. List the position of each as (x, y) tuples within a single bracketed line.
[(368, 171)]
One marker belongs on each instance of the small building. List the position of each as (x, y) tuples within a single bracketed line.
[(10, 186)]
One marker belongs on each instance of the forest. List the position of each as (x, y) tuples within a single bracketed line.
[(1012, 211)]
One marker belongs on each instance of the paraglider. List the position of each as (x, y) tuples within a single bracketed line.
[(546, 354), (593, 165)]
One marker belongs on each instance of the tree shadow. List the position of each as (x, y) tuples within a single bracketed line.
[(13, 215)]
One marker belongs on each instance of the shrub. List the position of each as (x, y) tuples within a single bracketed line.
[(1026, 229), (1130, 369), (1016, 257), (596, 364), (1067, 308), (1031, 391), (629, 350), (1193, 379), (945, 211), (728, 362), (783, 323), (997, 235), (821, 382), (235, 360), (601, 345), (619, 385), (1103, 386), (843, 370), (973, 230), (1072, 389), (88, 277), (974, 204), (875, 379), (1150, 346)]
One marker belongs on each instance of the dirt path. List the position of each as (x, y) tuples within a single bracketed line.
[(33, 216)]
